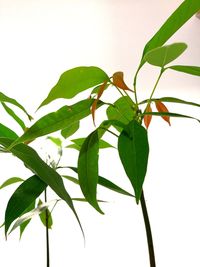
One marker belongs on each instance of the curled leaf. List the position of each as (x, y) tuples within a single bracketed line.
[(162, 108), (118, 80), (147, 118)]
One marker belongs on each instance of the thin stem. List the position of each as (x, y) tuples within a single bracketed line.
[(47, 232), (154, 88), (109, 131), (134, 84), (148, 231)]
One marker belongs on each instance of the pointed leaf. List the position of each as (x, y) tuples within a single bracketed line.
[(88, 169), (79, 141), (193, 70), (7, 132), (133, 151), (57, 141), (26, 223), (70, 130), (118, 80), (11, 181), (44, 214), (161, 56), (148, 118), (179, 17), (162, 108), (74, 81)]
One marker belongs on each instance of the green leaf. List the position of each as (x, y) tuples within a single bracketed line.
[(171, 100), (88, 169), (26, 223), (101, 181), (170, 115), (70, 130), (122, 110), (22, 198), (6, 132), (133, 151), (43, 216), (96, 89), (79, 141), (58, 120), (14, 116), (74, 81), (11, 181), (29, 215), (84, 200), (193, 70), (48, 175), (57, 141), (74, 146), (179, 17), (161, 56)]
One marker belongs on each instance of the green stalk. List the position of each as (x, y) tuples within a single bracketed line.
[(148, 231), (47, 232)]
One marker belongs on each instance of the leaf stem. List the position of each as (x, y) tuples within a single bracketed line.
[(155, 86), (148, 231), (47, 232)]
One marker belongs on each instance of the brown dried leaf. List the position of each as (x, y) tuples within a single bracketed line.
[(162, 108), (118, 80), (147, 118)]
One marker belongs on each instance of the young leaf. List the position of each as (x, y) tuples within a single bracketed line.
[(75, 81), (58, 120), (14, 116), (161, 56), (148, 118), (88, 169), (193, 70), (70, 130), (43, 216), (11, 181), (79, 141), (57, 141), (4, 98), (25, 224), (133, 150), (48, 175), (162, 108), (180, 16), (22, 198), (6, 132), (118, 80)]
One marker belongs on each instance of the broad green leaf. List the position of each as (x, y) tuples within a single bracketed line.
[(57, 141), (6, 132), (58, 120), (88, 169), (172, 100), (48, 175), (101, 181), (10, 181), (26, 223), (133, 150), (22, 198), (193, 70), (122, 110), (70, 130), (14, 116), (79, 141), (74, 81), (170, 115), (29, 215), (179, 17), (161, 56), (45, 216)]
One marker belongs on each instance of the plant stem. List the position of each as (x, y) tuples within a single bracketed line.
[(47, 232), (148, 231)]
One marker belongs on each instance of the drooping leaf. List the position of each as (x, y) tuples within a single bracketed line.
[(45, 216), (101, 181), (79, 141), (7, 132), (161, 56), (74, 81), (11, 181), (48, 175), (118, 80), (14, 116), (26, 223), (57, 141), (162, 108), (88, 169), (70, 130), (22, 198), (122, 110), (193, 70), (172, 100), (133, 151), (148, 118), (179, 17), (58, 120), (4, 98), (29, 215)]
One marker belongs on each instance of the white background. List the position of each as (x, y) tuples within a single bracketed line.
[(40, 39)]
